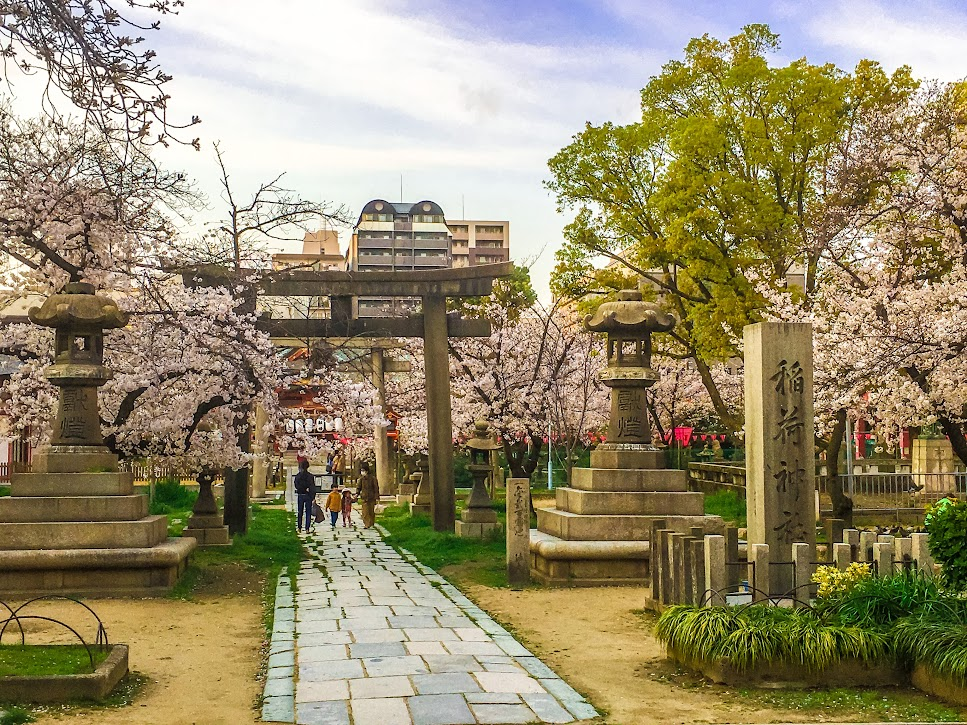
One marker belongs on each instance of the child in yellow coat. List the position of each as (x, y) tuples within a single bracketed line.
[(334, 504)]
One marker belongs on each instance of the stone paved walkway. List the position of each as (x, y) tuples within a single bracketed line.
[(374, 637)]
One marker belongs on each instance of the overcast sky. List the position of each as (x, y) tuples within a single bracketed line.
[(467, 99)]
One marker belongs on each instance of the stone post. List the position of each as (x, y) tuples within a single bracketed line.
[(920, 548), (842, 555), (698, 570), (803, 567), (205, 524), (852, 537), (834, 535), (903, 550), (733, 573), (677, 541), (715, 577), (438, 411), (780, 468), (687, 571), (762, 581), (867, 539), (654, 560), (518, 531), (665, 564), (883, 558)]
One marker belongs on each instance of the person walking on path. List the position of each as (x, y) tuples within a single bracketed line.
[(305, 489), (338, 468), (347, 507), (368, 494), (334, 505)]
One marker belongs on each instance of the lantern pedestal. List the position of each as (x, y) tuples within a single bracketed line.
[(207, 525), (74, 525), (598, 533)]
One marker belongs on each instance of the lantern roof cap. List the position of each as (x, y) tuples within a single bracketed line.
[(629, 314), (78, 304), (482, 440)]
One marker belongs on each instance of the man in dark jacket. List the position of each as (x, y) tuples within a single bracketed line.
[(305, 489)]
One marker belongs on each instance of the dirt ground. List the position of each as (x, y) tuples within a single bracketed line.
[(594, 639), (200, 658)]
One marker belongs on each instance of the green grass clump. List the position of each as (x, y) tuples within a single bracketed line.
[(936, 642), (437, 550), (14, 716), (170, 497), (38, 660), (881, 601), (728, 505), (754, 636)]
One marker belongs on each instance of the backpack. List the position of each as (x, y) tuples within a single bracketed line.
[(303, 482)]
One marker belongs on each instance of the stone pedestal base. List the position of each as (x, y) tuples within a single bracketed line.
[(420, 506), (84, 534), (598, 533), (207, 530), (405, 493), (472, 530)]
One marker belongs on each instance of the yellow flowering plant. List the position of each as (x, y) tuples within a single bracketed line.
[(835, 583)]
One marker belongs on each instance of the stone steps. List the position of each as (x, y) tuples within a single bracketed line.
[(35, 509), (72, 484), (582, 527), (143, 533), (648, 503), (629, 479)]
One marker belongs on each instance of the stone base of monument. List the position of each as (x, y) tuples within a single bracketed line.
[(405, 493), (93, 538), (477, 523), (598, 533), (208, 530)]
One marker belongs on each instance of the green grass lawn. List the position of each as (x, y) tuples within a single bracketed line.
[(728, 505), (466, 560), (269, 546), (37, 660), (883, 705)]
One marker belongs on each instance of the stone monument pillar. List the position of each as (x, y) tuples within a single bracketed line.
[(599, 533), (478, 518), (518, 531), (74, 525), (422, 499), (780, 460)]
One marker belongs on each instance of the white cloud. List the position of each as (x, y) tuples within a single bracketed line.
[(347, 94), (926, 36)]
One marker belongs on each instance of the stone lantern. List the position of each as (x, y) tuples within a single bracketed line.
[(629, 322), (79, 318), (479, 518)]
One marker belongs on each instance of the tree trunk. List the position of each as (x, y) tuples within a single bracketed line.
[(955, 432), (729, 419), (842, 504)]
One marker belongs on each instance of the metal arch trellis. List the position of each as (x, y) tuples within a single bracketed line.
[(15, 616)]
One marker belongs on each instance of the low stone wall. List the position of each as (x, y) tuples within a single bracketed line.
[(926, 680), (786, 675), (67, 688), (712, 477)]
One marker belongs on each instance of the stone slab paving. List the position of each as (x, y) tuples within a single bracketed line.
[(376, 638)]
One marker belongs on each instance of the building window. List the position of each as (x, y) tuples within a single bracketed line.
[(489, 229)]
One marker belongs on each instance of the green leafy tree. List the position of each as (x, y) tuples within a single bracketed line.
[(736, 179)]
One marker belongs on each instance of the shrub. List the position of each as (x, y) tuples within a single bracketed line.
[(835, 583), (757, 635), (938, 642), (946, 523)]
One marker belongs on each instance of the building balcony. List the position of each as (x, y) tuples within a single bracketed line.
[(436, 260)]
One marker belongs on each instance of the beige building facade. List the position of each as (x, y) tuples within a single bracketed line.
[(477, 241)]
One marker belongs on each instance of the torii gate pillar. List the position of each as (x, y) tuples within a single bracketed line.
[(438, 412)]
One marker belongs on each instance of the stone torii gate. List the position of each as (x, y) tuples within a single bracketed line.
[(433, 287)]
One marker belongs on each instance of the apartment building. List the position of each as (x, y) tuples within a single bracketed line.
[(396, 236), (477, 241)]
